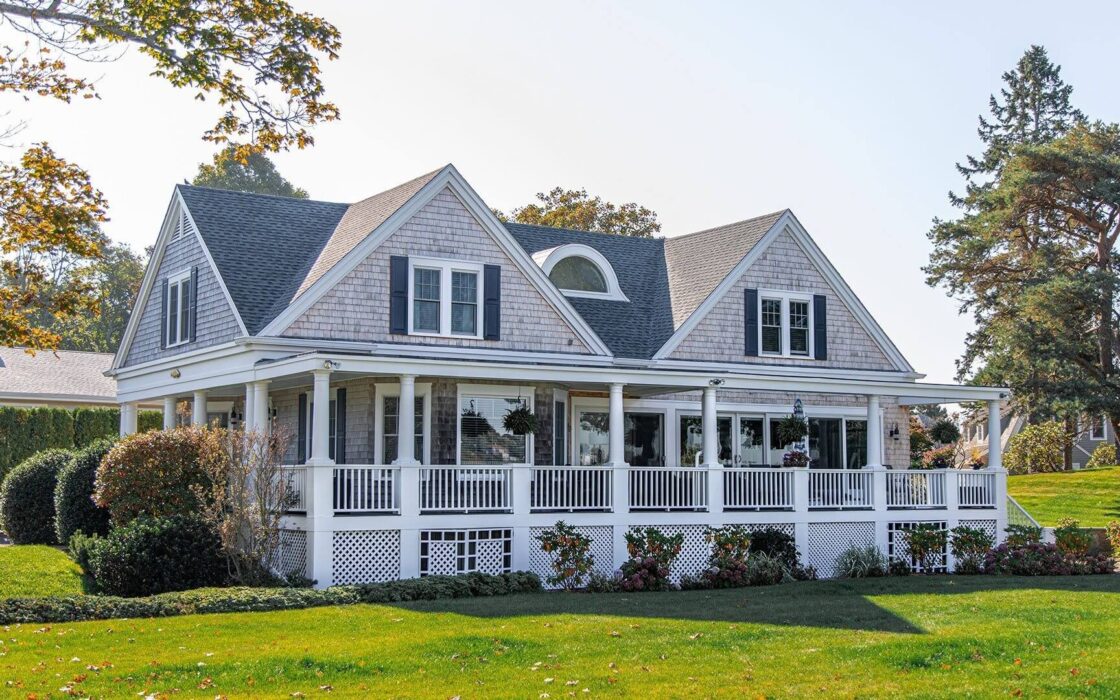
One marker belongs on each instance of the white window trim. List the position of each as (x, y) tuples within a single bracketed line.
[(528, 393), (786, 297), (446, 267), (382, 391), (561, 396), (548, 259), (174, 282), (1094, 435)]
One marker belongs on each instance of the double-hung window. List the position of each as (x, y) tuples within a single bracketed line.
[(179, 309), (1096, 428), (444, 298), (785, 324)]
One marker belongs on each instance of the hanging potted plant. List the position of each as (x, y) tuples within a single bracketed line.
[(791, 431), (520, 420)]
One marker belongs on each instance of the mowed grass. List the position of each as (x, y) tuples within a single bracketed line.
[(938, 637), (37, 570), (1091, 496)]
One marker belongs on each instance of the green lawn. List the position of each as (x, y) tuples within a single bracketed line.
[(925, 637), (1092, 496), (36, 570)]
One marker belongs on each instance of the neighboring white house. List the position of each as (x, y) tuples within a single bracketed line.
[(58, 379), (392, 335)]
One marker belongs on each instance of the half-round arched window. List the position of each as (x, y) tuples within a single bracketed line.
[(578, 274), (580, 271)]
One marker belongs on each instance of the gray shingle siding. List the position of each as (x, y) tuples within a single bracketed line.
[(216, 321), (783, 266), (357, 307)]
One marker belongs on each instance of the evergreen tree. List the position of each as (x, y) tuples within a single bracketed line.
[(253, 173)]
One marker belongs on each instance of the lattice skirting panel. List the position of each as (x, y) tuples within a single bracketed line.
[(988, 526), (785, 528), (694, 552), (828, 540), (291, 557), (450, 552), (602, 550), (897, 549), (365, 556)]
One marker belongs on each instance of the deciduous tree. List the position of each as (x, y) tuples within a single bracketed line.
[(256, 173), (575, 209)]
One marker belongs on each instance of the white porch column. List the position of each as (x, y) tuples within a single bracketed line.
[(169, 404), (874, 433), (406, 422), (259, 421), (995, 445), (128, 418), (198, 410), (711, 451), (321, 418), (247, 415), (616, 444)]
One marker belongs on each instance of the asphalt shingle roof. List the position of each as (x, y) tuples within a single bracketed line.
[(269, 250), (65, 373)]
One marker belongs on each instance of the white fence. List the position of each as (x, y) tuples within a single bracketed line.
[(659, 488), (466, 489), (916, 489), (841, 489), (758, 489), (570, 489), (977, 490), (366, 489)]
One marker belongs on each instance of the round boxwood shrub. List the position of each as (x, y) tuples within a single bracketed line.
[(156, 555), (27, 497), (158, 473), (74, 509)]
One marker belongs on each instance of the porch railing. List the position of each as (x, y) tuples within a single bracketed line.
[(758, 489), (976, 489), (365, 489), (570, 489), (841, 489), (916, 489), (295, 486), (660, 488), (466, 489)]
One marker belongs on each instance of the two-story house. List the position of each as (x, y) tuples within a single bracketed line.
[(392, 335)]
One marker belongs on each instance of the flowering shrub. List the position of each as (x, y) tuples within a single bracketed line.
[(926, 543), (730, 544), (1071, 539), (969, 546), (939, 457), (1039, 559), (652, 554), (1022, 535), (158, 473), (570, 553), (1103, 456), (795, 458)]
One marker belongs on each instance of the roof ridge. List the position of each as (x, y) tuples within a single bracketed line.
[(43, 350), (777, 213), (261, 194), (579, 230)]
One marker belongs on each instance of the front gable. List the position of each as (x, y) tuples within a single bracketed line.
[(179, 251), (357, 306), (785, 260)]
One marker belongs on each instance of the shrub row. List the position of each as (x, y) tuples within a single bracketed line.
[(228, 600), (30, 430)]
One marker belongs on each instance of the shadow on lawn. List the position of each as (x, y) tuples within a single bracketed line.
[(843, 605)]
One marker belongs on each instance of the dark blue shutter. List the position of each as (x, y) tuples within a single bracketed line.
[(750, 322), (492, 303), (193, 318), (340, 426), (301, 430), (398, 294), (163, 316), (820, 327)]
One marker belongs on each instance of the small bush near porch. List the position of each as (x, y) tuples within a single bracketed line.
[(917, 636)]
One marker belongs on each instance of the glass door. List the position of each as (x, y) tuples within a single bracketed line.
[(750, 452)]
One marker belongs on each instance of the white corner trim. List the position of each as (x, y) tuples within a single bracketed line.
[(450, 178), (547, 260)]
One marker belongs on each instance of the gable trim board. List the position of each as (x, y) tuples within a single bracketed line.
[(176, 209), (448, 178), (788, 222)]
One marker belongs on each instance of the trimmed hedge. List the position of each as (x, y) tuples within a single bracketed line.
[(74, 508), (30, 430), (27, 497), (228, 600)]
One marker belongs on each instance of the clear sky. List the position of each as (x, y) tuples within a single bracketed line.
[(850, 114)]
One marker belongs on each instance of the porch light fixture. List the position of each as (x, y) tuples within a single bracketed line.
[(331, 364), (894, 431), (175, 374), (715, 382)]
